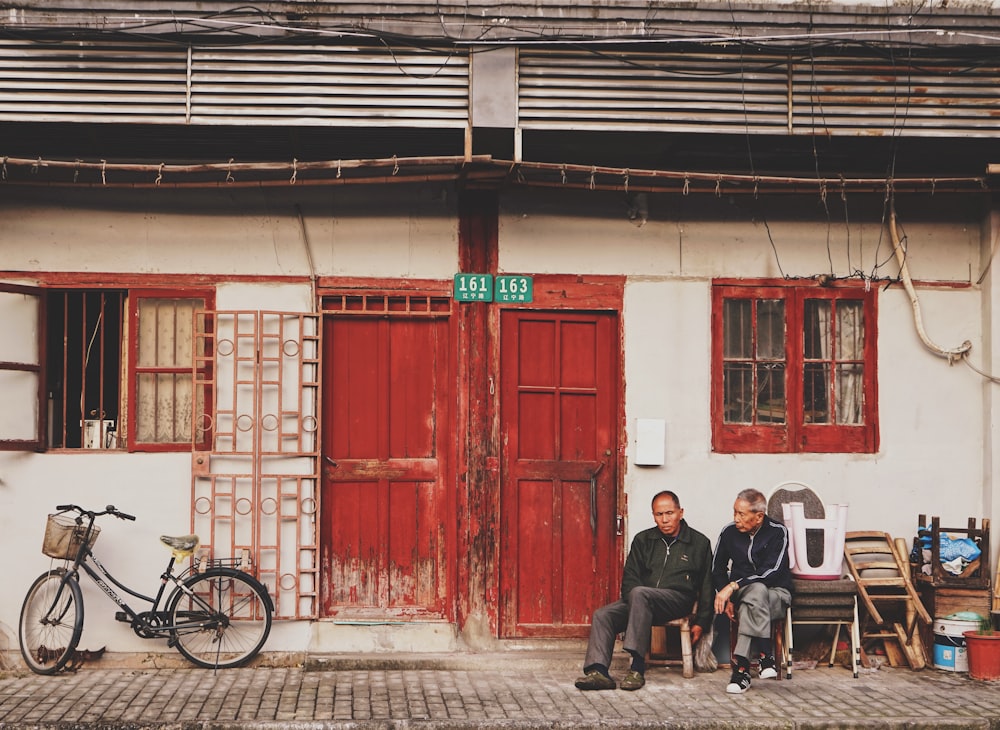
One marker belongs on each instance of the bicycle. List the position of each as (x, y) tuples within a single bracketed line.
[(217, 616)]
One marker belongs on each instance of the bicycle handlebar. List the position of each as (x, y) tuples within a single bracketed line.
[(109, 510)]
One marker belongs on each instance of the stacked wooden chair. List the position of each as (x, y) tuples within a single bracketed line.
[(894, 610)]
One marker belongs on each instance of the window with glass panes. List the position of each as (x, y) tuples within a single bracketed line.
[(793, 368)]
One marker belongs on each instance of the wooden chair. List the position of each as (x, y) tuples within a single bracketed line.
[(781, 639), (891, 603), (659, 653), (828, 603), (977, 573)]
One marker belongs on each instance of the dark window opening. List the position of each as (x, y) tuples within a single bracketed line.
[(84, 368)]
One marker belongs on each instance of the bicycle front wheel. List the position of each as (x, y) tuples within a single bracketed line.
[(51, 622), (220, 618)]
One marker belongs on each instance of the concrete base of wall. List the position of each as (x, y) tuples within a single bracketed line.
[(373, 637), (566, 657)]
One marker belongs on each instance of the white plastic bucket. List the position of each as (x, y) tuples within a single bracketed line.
[(949, 644)]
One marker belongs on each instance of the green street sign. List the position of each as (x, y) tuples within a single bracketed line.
[(513, 288), (473, 288)]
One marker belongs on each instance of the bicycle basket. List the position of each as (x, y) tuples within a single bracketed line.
[(63, 537)]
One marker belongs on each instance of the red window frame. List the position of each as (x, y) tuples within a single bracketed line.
[(135, 295), (796, 434), (33, 435)]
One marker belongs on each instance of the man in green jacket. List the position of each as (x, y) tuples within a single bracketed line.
[(668, 569)]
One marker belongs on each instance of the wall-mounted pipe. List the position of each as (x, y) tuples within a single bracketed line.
[(904, 274)]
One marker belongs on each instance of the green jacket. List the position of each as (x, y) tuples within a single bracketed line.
[(686, 566)]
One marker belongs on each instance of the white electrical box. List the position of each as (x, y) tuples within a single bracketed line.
[(98, 434), (650, 441)]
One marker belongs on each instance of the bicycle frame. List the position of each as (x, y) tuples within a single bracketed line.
[(134, 616), (139, 620)]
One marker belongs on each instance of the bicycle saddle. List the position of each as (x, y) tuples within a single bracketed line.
[(182, 546)]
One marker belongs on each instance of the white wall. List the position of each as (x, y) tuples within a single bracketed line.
[(934, 448), (156, 488), (402, 231)]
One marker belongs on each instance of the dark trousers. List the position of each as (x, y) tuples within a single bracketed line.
[(636, 616)]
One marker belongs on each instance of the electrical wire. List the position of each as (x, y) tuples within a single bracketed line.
[(252, 22), (750, 161)]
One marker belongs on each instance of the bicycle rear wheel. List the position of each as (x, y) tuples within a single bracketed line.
[(220, 619), (51, 622)]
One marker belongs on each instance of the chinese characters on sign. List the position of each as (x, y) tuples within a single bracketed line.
[(483, 288), (473, 288), (513, 289)]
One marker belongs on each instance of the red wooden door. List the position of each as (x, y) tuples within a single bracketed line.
[(558, 491), (387, 512)]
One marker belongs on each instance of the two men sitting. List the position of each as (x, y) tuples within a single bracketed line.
[(670, 568)]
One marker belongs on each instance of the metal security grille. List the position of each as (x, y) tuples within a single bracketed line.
[(107, 81), (84, 334), (256, 491)]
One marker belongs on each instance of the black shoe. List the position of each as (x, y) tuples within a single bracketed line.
[(739, 682), (595, 680), (768, 668)]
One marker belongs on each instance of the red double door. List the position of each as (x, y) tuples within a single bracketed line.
[(391, 530)]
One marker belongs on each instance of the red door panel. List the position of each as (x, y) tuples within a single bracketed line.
[(558, 492), (386, 509)]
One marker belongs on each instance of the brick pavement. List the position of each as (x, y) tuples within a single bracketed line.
[(445, 698)]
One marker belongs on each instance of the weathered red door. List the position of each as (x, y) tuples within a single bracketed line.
[(387, 512), (558, 413)]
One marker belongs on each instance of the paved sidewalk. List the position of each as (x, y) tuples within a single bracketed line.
[(348, 695)]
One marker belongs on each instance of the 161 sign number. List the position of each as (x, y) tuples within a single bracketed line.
[(484, 288), (473, 288)]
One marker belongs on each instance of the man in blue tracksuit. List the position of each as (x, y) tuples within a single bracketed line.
[(668, 570), (750, 572)]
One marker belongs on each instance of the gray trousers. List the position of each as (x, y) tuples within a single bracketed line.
[(756, 607), (636, 616)]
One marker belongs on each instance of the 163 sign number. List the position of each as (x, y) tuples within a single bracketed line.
[(513, 288), (484, 288)]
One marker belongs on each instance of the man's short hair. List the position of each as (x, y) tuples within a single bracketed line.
[(754, 498), (666, 493)]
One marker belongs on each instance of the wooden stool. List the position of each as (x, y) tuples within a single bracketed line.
[(658, 653), (832, 603), (781, 641)]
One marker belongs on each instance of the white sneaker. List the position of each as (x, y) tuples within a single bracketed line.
[(739, 682), (767, 668)]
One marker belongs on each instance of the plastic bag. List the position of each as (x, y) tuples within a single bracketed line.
[(962, 547), (956, 566)]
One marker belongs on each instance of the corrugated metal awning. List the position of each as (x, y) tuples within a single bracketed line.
[(759, 93), (732, 91), (283, 84)]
